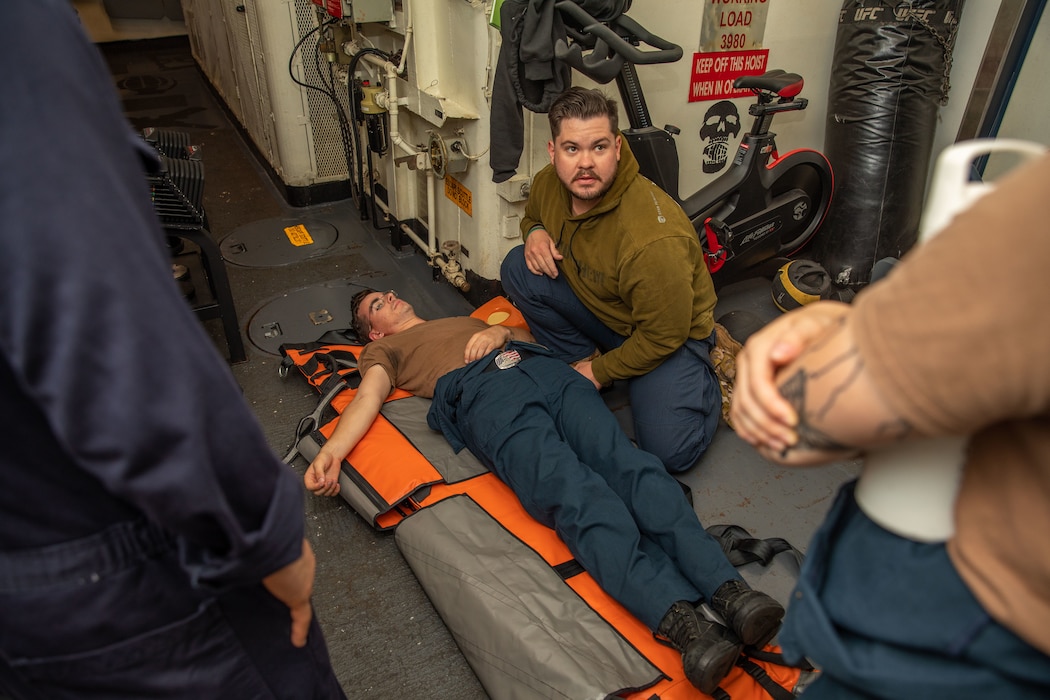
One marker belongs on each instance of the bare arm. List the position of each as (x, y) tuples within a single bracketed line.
[(322, 476), (760, 414), (838, 409)]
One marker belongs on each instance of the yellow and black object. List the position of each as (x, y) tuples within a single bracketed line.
[(798, 283)]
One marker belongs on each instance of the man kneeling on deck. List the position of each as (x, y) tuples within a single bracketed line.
[(545, 431)]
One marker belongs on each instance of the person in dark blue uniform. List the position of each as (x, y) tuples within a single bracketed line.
[(545, 431), (151, 543)]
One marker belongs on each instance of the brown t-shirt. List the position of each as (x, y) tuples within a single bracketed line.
[(958, 339), (416, 358)]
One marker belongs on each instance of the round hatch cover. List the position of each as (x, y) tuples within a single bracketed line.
[(303, 316), (277, 242)]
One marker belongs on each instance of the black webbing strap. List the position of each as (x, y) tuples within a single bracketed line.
[(341, 368), (772, 688), (775, 690), (333, 362), (330, 360), (332, 387), (741, 548), (568, 569), (775, 657), (287, 362)]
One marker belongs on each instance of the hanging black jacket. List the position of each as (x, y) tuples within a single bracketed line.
[(527, 75)]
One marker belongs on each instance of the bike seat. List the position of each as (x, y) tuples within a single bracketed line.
[(785, 85)]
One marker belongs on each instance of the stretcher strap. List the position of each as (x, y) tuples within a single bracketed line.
[(741, 548)]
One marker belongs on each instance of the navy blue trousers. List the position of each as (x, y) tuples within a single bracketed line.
[(885, 617), (545, 431), (113, 617), (676, 406)]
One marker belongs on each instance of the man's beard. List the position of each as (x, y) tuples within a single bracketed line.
[(590, 195)]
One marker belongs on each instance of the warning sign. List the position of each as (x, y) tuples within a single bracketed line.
[(714, 73), (459, 194), (730, 46), (298, 235), (733, 25)]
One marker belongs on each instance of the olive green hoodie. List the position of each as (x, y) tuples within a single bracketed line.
[(634, 260)]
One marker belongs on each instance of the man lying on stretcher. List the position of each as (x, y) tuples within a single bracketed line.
[(544, 430)]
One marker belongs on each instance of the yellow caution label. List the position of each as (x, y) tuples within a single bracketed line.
[(459, 194), (298, 235)]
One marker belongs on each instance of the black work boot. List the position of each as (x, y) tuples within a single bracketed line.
[(708, 652), (752, 615)]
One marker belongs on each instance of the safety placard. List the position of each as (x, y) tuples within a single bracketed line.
[(298, 235), (713, 73), (733, 25), (455, 190)]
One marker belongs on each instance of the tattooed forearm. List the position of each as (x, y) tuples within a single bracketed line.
[(851, 364), (817, 387), (809, 437), (838, 403)]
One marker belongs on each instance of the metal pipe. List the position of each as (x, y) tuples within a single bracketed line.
[(431, 209), (452, 271), (397, 140), (404, 49), (392, 104)]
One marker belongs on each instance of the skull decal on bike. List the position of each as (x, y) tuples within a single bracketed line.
[(721, 121)]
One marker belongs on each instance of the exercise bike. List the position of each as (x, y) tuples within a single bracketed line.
[(766, 206)]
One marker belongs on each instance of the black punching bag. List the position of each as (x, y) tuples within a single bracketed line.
[(890, 76)]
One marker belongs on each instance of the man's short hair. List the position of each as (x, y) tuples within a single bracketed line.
[(582, 103), (359, 320)]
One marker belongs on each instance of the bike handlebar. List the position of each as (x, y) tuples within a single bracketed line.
[(610, 49)]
